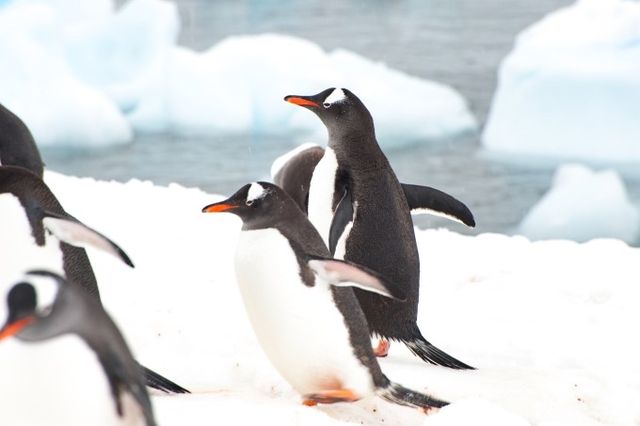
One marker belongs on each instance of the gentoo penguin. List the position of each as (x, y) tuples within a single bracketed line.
[(301, 305), (38, 232), (55, 321), (363, 215), (17, 147)]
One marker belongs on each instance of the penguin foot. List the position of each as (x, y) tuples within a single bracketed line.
[(382, 349), (330, 397)]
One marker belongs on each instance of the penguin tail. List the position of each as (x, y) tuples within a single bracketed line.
[(156, 381), (431, 354), (398, 394)]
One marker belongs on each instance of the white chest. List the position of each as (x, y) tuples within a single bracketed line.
[(321, 192), (300, 328), (57, 382)]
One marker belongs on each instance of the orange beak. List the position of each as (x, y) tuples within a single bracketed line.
[(300, 101), (218, 208), (15, 327)]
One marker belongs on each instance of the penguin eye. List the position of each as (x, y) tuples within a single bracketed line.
[(326, 104), (249, 202)]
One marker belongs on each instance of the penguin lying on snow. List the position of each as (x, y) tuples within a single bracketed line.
[(38, 232), (45, 306), (301, 304), (364, 215)]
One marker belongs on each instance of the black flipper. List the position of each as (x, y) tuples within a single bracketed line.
[(341, 218), (430, 200), (398, 394), (431, 354), (156, 381)]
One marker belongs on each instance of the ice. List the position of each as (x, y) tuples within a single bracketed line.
[(581, 205), (239, 84), (37, 83), (92, 76), (547, 323), (570, 86)]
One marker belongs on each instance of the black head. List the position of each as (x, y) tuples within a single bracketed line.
[(30, 303), (339, 109), (17, 146), (258, 204)]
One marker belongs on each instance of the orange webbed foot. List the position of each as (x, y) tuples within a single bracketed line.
[(382, 349)]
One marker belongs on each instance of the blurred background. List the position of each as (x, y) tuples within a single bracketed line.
[(486, 100)]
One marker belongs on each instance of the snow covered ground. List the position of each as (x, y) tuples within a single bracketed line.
[(570, 87), (550, 325), (86, 74)]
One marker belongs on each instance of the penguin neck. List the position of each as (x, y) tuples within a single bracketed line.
[(357, 149)]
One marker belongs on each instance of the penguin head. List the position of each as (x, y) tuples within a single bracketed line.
[(32, 307), (339, 109), (258, 204)]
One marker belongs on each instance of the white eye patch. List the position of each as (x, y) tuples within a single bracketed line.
[(336, 96), (46, 291), (255, 191)]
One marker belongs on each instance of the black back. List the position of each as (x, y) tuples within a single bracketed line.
[(295, 176), (17, 147), (382, 237)]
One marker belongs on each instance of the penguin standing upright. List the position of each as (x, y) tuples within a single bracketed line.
[(17, 147), (301, 306), (38, 233), (91, 380), (363, 214)]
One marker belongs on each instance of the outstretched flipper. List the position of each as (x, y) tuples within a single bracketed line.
[(71, 231), (424, 199), (342, 273), (156, 381)]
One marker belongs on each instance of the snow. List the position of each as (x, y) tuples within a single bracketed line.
[(549, 324), (85, 75), (570, 86), (581, 205)]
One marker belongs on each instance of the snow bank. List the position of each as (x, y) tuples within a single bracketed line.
[(90, 75), (548, 323), (570, 86), (582, 205)]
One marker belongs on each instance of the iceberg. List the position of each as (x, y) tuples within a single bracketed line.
[(582, 205), (38, 84), (570, 86), (95, 75)]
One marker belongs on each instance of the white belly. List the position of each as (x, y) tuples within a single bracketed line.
[(300, 328), (321, 191), (18, 249), (57, 382)]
